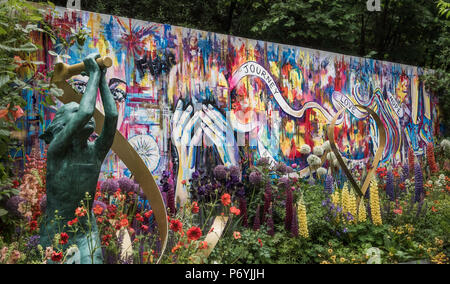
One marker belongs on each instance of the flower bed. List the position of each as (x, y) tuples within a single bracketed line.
[(272, 216)]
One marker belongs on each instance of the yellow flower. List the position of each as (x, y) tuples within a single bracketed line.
[(342, 259), (345, 199), (330, 251), (362, 211), (302, 220), (352, 206), (333, 258), (375, 203)]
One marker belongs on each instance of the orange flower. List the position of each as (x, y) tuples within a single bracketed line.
[(148, 214), (235, 211), (203, 245), (124, 222), (97, 210), (80, 212), (433, 209), (175, 248), (226, 199), (236, 235), (74, 221)]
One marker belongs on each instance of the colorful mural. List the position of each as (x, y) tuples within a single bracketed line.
[(191, 99)]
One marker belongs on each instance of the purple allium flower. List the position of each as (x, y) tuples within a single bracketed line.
[(329, 185), (235, 172), (281, 167), (345, 230), (270, 226), (294, 226), (289, 210), (126, 184), (12, 205), (418, 179), (263, 162), (390, 185), (256, 220), (109, 186), (243, 208), (255, 178), (220, 172)]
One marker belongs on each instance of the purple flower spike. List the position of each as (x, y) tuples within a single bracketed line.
[(418, 177)]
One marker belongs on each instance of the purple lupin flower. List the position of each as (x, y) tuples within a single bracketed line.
[(243, 208), (171, 201), (405, 172), (267, 202), (329, 185), (270, 226), (294, 226), (289, 211), (256, 220), (390, 185), (418, 179)]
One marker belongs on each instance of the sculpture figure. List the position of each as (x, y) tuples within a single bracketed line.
[(74, 163)]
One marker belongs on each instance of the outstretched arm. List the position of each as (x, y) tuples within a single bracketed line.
[(106, 138), (85, 111)]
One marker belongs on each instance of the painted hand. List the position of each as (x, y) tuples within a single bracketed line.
[(182, 126), (215, 128)]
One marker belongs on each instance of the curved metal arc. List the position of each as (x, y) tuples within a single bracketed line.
[(378, 155)]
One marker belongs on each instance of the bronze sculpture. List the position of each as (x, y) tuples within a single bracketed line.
[(74, 163)]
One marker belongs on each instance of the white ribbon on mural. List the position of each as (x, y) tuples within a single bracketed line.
[(252, 68)]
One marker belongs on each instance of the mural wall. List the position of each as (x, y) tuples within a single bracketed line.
[(191, 99)]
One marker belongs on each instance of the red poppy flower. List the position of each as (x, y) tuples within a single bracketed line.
[(226, 199), (194, 233), (175, 225), (144, 228), (57, 256), (236, 235), (63, 238)]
